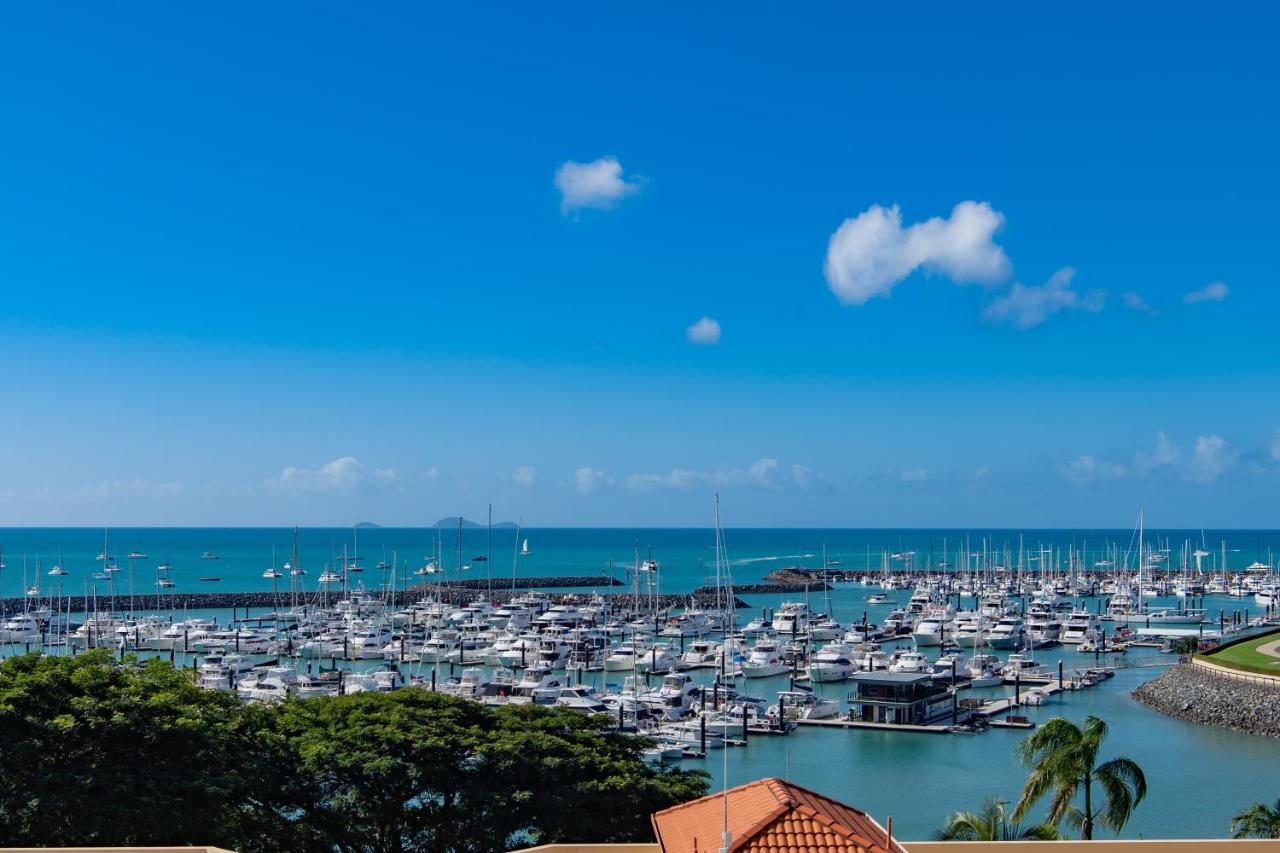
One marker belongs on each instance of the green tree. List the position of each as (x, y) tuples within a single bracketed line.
[(992, 822), (98, 753), (415, 770), (1257, 821), (1062, 758)]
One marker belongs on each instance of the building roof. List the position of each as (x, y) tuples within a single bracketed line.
[(892, 677), (769, 816)]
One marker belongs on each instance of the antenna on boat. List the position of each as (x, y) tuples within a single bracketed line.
[(726, 839)]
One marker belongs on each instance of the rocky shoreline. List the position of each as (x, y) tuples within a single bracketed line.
[(1198, 695), (455, 592)]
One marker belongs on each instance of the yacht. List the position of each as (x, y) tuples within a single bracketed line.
[(623, 658), (765, 661), (802, 705), (1008, 633), (1081, 625), (934, 627), (792, 618), (833, 662), (659, 657), (580, 698), (909, 661), (675, 698)]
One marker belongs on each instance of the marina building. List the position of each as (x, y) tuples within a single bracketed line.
[(899, 698)]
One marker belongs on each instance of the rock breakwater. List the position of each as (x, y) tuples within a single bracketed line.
[(1199, 695)]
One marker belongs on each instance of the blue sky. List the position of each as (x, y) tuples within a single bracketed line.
[(321, 263)]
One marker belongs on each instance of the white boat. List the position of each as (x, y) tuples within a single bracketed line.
[(1008, 633), (659, 657), (524, 548), (675, 698), (802, 705), (833, 662), (1081, 625), (765, 661), (623, 658), (910, 661), (934, 627)]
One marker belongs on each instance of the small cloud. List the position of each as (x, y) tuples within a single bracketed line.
[(1213, 292), (116, 489), (346, 475), (981, 472), (804, 477), (590, 480), (764, 473), (1274, 447), (598, 184), (1135, 302), (872, 253), (1212, 456), (1164, 454), (431, 474), (914, 475), (1087, 469), (524, 475), (1026, 306), (705, 332)]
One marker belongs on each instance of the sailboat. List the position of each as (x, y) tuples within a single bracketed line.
[(524, 548)]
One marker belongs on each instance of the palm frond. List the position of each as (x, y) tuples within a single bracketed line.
[(1123, 785)]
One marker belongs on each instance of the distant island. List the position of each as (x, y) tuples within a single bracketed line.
[(451, 521), (366, 525)]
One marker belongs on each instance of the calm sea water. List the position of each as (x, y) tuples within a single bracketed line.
[(1199, 776), (686, 555)]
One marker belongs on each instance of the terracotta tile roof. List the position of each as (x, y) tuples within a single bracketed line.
[(770, 816)]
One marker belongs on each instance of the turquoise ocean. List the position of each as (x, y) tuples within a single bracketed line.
[(1198, 776)]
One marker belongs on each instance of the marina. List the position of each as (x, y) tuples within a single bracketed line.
[(895, 652)]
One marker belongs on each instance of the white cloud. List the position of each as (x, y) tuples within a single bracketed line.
[(804, 477), (705, 332), (914, 475), (346, 475), (524, 475), (1213, 292), (871, 253), (764, 473), (1134, 302), (431, 474), (1086, 469), (115, 489), (590, 480), (1164, 454), (981, 471), (1212, 457), (1026, 306), (1274, 447), (598, 184)]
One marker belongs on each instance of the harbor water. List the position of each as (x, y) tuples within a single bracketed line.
[(1198, 776)]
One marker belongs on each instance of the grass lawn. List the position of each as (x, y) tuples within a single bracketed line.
[(1246, 655)]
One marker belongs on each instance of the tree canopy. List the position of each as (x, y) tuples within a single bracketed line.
[(100, 753)]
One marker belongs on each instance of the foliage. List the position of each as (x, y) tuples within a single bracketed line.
[(1257, 821), (1062, 758), (95, 753), (98, 753), (992, 822)]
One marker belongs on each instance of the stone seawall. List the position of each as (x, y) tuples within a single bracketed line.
[(455, 592), (1199, 695)]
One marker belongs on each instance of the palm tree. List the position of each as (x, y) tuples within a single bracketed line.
[(991, 822), (1062, 758), (1257, 821)]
